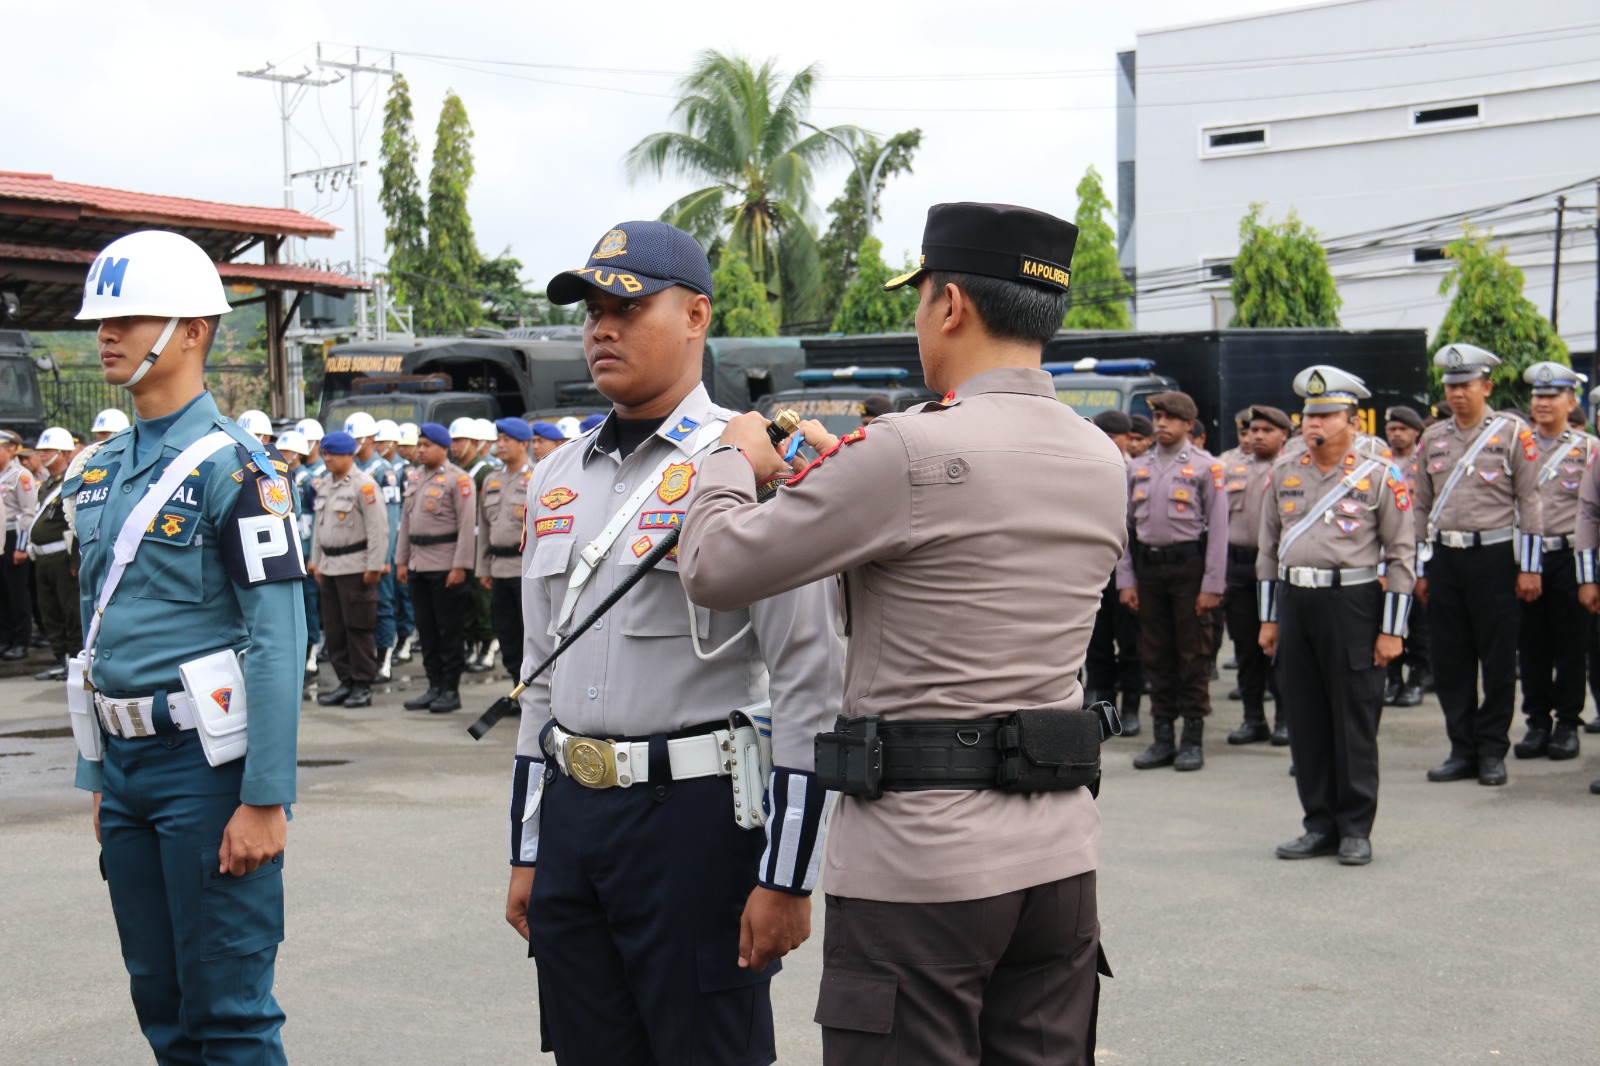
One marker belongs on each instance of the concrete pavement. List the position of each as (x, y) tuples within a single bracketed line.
[(1470, 938)]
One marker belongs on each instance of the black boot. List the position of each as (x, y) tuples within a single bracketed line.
[(1162, 751), (360, 696), (58, 672), (449, 700), (424, 701), (1254, 729), (1564, 741), (338, 695), (1130, 713), (1391, 692), (1535, 743), (1190, 755), (1280, 729)]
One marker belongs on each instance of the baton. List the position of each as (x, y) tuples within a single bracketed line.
[(508, 704)]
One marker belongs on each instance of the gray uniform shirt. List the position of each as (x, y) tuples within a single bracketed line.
[(442, 503), (19, 498), (1174, 497), (1246, 480), (501, 508), (349, 511)]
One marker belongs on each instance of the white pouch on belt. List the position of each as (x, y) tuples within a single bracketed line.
[(749, 750), (80, 710), (215, 685)]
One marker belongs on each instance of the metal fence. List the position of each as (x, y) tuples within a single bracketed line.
[(73, 396)]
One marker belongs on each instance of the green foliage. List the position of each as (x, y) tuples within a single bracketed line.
[(507, 299), (839, 245), (739, 129), (400, 194), (741, 307), (446, 302), (1098, 298), (1281, 277), (1490, 311), (866, 308)]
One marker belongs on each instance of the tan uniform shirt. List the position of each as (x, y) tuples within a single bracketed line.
[(441, 504), (500, 512), (1588, 529), (1501, 489), (1562, 463), (1173, 498), (19, 498), (349, 512), (975, 540), (1367, 526), (1246, 484)]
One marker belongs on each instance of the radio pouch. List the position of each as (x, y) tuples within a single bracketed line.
[(215, 686), (749, 751), (1049, 750), (80, 710), (850, 759)]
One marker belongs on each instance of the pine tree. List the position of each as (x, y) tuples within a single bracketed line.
[(741, 307), (1281, 277), (400, 194), (866, 308), (1098, 298), (446, 304)]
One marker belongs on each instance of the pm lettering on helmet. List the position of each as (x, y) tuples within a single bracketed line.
[(108, 271)]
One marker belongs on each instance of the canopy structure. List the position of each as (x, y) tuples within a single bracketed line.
[(50, 231)]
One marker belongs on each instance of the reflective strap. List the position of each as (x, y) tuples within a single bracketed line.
[(50, 549), (1396, 613), (1585, 561), (1267, 600), (1530, 553), (795, 831)]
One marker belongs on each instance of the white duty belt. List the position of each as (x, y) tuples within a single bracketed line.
[(135, 718), (620, 764)]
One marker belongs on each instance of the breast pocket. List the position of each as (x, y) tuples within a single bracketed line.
[(548, 565), (1181, 502), (657, 606)]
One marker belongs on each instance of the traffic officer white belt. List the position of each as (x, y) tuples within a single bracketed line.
[(50, 549), (133, 717), (1452, 538), (1555, 544), (608, 764), (1310, 577)]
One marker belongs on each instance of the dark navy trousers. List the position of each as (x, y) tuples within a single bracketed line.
[(199, 946), (634, 924)]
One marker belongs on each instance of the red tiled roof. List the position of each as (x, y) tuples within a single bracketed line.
[(284, 275), (94, 201)]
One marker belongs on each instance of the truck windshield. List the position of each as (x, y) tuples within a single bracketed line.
[(19, 391)]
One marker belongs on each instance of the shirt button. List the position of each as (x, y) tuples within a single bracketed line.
[(104, 655), (600, 624), (621, 487), (594, 693), (127, 488)]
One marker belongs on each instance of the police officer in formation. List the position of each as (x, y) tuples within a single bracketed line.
[(466, 451), (55, 568), (501, 510), (364, 428), (437, 549), (1478, 513), (349, 546), (19, 498), (961, 918), (654, 915), (192, 852), (1173, 575), (547, 437), (1248, 471), (1113, 671), (1409, 675), (1333, 517)]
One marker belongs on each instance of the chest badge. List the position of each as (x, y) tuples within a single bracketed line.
[(1347, 525), (1291, 482), (641, 547), (98, 474), (275, 497), (557, 498), (675, 483)]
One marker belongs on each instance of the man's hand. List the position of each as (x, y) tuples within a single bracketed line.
[(254, 836), (457, 576), (486, 583), (1129, 599), (371, 577), (1420, 591), (313, 572), (774, 924), (1268, 638), (1207, 602), (1387, 650), (97, 817), (748, 433), (517, 899), (402, 574), (1589, 596), (1529, 587), (18, 558)]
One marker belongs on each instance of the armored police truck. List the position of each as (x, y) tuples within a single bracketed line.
[(21, 406), (1091, 385)]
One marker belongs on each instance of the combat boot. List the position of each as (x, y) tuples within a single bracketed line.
[(1410, 694), (338, 695), (1391, 692), (449, 700), (1162, 751), (385, 665), (1535, 743), (483, 661), (1190, 756), (1280, 729), (1254, 729), (1130, 713), (424, 701), (1564, 741), (360, 696)]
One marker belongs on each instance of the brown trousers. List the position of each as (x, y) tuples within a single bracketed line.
[(349, 619), (1174, 642), (1010, 980)]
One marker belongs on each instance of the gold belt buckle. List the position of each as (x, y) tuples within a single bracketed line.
[(591, 763)]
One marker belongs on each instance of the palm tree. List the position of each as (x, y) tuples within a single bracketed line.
[(740, 131)]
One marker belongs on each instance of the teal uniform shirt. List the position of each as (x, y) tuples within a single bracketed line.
[(219, 567), (388, 480)]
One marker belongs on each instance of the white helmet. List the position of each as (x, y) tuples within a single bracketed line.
[(463, 429), (294, 441), (483, 429), (54, 439), (568, 427), (409, 434), (153, 273), (256, 423), (360, 424), (111, 420), (387, 431), (311, 428)]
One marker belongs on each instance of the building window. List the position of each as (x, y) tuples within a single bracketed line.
[(1428, 255), (1216, 271), (1233, 139), (1446, 114)]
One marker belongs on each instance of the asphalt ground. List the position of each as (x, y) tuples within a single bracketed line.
[(1471, 938)]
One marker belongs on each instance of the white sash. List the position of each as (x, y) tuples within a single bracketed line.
[(1324, 505), (1462, 465)]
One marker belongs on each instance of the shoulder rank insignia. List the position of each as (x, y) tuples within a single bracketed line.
[(557, 498), (854, 435), (682, 430), (675, 482)]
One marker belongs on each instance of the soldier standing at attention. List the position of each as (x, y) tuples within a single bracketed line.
[(501, 530), (1409, 675), (1333, 516), (547, 437), (436, 551), (1248, 479), (364, 428), (19, 495), (351, 541), (1175, 574), (1478, 488), (961, 918), (1586, 561), (192, 852), (55, 566)]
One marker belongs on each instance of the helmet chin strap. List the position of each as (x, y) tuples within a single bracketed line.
[(150, 360)]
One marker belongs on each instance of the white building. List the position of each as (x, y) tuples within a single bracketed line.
[(1384, 124)]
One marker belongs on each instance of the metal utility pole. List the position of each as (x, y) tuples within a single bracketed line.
[(1555, 277), (286, 106), (360, 234), (869, 179)]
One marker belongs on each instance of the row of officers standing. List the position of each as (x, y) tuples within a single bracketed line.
[(1460, 548)]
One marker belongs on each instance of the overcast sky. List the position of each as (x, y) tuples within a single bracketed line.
[(146, 96)]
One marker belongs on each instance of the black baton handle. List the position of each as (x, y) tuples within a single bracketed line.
[(508, 703)]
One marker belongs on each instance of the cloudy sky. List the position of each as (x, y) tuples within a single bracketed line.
[(1014, 99)]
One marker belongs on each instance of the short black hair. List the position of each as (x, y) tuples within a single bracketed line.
[(875, 405), (1010, 310)]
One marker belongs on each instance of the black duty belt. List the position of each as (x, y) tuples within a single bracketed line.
[(502, 553), (348, 549), (1170, 553), (1242, 553), (423, 540)]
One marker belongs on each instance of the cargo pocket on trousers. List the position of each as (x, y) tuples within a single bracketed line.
[(239, 915), (859, 1002), (734, 1013)]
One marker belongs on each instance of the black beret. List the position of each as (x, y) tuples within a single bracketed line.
[(1112, 421), (1176, 404), (1405, 416), (1142, 427), (1271, 414)]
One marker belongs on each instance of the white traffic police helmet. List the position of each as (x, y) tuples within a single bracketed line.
[(388, 430), (483, 429), (409, 434), (54, 439), (311, 428), (294, 441), (111, 420), (360, 425), (463, 429), (569, 427), (256, 423)]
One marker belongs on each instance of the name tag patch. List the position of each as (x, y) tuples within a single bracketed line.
[(546, 526), (660, 520)]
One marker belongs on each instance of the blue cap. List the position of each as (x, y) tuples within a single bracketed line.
[(436, 433), (547, 430), (338, 443), (636, 259), (515, 428), (590, 422)]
